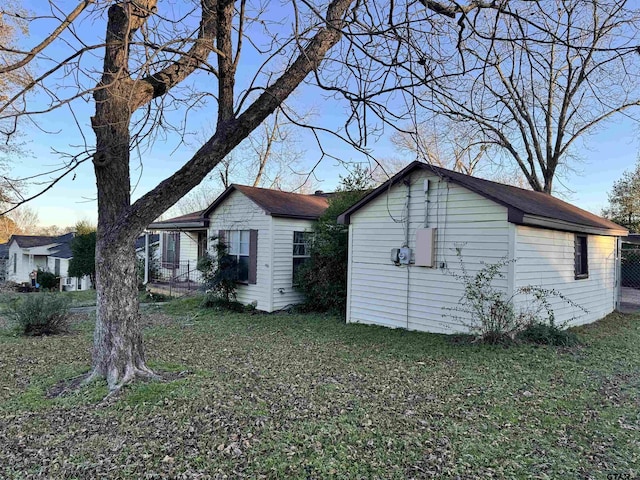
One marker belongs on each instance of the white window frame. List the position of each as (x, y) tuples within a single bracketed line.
[(238, 246), (297, 255)]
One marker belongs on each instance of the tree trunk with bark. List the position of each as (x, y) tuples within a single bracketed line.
[(118, 349)]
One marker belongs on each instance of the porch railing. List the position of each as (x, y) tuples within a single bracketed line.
[(180, 277)]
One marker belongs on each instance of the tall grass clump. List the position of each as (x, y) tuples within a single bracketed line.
[(41, 314)]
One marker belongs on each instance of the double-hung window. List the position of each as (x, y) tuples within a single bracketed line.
[(301, 251), (581, 257), (238, 243), (171, 250)]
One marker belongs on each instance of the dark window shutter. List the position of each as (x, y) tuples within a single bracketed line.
[(576, 255), (221, 237), (253, 257), (177, 253), (165, 243)]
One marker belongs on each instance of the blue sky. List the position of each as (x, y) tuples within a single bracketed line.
[(605, 156)]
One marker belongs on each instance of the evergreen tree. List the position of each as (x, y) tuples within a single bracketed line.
[(83, 248), (624, 200)]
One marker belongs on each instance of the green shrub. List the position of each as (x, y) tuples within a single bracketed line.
[(545, 334), (47, 280), (41, 314), (323, 277), (491, 315), (219, 273)]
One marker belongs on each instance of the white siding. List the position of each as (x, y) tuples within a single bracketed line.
[(414, 297), (68, 283), (546, 258), (28, 260), (282, 289), (189, 249), (237, 212)]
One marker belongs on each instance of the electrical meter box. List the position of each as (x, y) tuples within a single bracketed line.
[(404, 256)]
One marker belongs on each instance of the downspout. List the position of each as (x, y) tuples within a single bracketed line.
[(146, 257), (407, 182)]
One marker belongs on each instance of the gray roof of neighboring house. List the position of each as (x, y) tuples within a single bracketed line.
[(31, 241), (153, 238), (274, 202), (4, 250), (61, 251), (525, 207)]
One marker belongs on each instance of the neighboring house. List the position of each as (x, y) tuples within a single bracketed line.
[(436, 213), (4, 260), (28, 253), (266, 230)]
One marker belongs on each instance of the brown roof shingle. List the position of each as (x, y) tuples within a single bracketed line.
[(274, 202), (519, 202), (277, 203)]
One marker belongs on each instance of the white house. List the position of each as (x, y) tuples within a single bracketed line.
[(28, 253), (404, 238), (266, 230)]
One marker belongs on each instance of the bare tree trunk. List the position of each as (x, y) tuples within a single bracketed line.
[(118, 349)]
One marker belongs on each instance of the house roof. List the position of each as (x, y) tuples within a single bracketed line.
[(31, 241), (277, 203), (273, 202), (525, 207), (190, 220), (61, 251), (4, 250)]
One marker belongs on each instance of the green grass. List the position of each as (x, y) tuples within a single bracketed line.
[(82, 298), (306, 396)]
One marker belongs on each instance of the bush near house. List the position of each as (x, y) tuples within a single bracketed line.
[(493, 317), (323, 278), (47, 280), (219, 275)]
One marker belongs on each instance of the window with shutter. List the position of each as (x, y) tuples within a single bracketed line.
[(243, 246), (581, 257)]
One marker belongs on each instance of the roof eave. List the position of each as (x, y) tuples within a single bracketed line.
[(555, 224), (297, 217), (179, 225)]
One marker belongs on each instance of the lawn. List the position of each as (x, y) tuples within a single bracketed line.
[(306, 396), (82, 298)]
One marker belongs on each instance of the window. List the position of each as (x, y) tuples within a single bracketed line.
[(242, 245), (171, 250), (202, 244), (581, 257), (238, 247), (56, 268), (79, 283), (300, 250)]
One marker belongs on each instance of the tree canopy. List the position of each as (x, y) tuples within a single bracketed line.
[(83, 249), (624, 200)]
